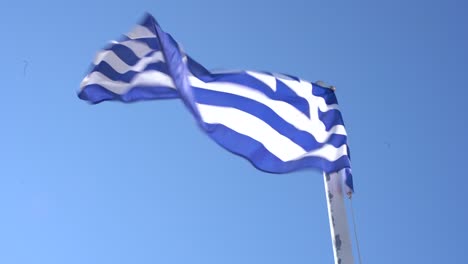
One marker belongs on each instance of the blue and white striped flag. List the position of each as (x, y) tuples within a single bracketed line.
[(278, 122)]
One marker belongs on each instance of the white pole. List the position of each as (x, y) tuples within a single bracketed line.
[(342, 248)]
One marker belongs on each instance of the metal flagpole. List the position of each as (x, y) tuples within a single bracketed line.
[(342, 248)]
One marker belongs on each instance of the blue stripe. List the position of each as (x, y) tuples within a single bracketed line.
[(177, 69), (149, 22), (330, 118), (302, 138), (124, 53), (290, 76), (241, 78), (283, 92), (196, 68), (104, 68), (349, 179), (326, 93), (95, 93), (264, 160), (153, 43)]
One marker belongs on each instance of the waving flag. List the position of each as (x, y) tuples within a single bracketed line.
[(280, 123)]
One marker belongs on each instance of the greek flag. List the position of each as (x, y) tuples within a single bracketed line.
[(278, 122)]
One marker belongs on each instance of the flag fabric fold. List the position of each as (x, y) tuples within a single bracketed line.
[(280, 123)]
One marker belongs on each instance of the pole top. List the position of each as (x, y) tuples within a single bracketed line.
[(325, 85)]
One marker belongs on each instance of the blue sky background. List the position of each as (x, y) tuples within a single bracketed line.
[(140, 183)]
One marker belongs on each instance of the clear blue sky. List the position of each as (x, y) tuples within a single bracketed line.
[(140, 183)]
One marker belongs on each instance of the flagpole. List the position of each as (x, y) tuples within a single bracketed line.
[(342, 248)]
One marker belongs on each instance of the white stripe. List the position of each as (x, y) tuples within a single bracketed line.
[(286, 111), (328, 152), (146, 78), (140, 32), (255, 128), (304, 90), (121, 67), (269, 80), (251, 126)]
